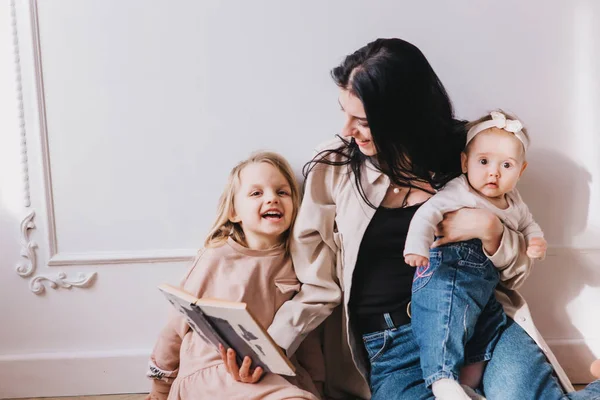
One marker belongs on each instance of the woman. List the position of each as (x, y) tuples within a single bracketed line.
[(400, 143)]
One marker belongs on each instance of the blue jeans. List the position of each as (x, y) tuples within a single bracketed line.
[(518, 369), (456, 318)]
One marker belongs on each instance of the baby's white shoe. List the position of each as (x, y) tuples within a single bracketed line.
[(448, 389)]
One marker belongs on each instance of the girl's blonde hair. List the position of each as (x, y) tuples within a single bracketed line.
[(223, 227)]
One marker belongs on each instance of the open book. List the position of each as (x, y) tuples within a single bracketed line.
[(232, 325)]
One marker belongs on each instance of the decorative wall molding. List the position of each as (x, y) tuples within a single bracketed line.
[(185, 255), (152, 256), (83, 280), (88, 258), (24, 159), (26, 267), (41, 103), (565, 251)]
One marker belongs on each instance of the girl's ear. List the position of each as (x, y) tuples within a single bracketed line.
[(233, 216), (523, 168), (463, 162)]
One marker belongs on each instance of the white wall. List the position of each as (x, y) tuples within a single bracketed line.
[(138, 109)]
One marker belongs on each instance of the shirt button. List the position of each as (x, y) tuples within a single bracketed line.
[(523, 319)]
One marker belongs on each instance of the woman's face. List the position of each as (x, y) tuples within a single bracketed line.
[(355, 122)]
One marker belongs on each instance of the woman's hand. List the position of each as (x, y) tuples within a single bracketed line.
[(470, 223), (243, 373)]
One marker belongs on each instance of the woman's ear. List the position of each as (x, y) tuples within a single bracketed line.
[(463, 162)]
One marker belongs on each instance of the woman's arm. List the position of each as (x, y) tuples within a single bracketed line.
[(504, 247), (314, 255)]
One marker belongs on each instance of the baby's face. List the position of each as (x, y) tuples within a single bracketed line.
[(494, 162)]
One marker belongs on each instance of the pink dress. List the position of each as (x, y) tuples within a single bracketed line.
[(183, 366)]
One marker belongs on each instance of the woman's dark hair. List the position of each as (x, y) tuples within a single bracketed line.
[(409, 113)]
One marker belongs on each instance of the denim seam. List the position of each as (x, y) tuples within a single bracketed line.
[(470, 264), (447, 322), (440, 375), (481, 259), (369, 337), (380, 351)]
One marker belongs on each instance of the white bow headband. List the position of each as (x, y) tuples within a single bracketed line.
[(499, 121)]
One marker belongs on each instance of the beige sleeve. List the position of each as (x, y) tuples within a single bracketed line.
[(164, 360), (511, 259), (314, 255), (527, 224), (421, 232)]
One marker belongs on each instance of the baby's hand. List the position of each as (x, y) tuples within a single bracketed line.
[(415, 260), (537, 248)]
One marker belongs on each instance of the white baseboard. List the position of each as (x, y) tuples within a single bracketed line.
[(576, 356), (114, 372), (73, 374)]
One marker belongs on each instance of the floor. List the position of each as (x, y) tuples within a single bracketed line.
[(111, 397), (135, 396)]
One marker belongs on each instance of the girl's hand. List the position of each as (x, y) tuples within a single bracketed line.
[(537, 248), (243, 373), (470, 223), (415, 260)]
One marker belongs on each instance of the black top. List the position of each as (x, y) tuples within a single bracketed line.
[(382, 281)]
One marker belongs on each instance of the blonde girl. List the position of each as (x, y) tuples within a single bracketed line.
[(245, 258)]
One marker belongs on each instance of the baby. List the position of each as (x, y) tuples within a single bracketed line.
[(453, 288)]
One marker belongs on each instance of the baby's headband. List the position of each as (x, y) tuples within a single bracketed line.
[(499, 121)]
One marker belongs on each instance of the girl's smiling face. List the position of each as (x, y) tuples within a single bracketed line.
[(263, 205)]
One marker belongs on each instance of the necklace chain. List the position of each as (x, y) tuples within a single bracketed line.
[(396, 190)]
